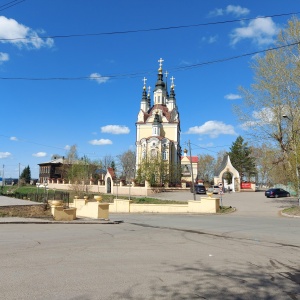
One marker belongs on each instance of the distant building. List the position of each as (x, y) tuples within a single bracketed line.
[(53, 169), (186, 174)]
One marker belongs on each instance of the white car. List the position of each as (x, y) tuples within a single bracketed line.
[(215, 189)]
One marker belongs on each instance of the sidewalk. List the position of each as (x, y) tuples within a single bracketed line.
[(8, 201)]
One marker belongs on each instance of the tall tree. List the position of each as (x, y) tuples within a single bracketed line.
[(241, 159), (126, 162), (206, 164), (72, 154), (274, 94), (25, 176), (157, 171), (107, 161)]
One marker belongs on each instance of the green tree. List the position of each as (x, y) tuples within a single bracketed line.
[(154, 170), (274, 94), (25, 176), (241, 159)]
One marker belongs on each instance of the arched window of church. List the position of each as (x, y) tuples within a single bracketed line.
[(144, 154), (158, 99), (164, 155)]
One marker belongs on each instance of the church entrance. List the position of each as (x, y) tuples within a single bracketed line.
[(227, 175), (228, 181)]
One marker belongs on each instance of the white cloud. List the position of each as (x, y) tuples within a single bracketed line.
[(235, 10), (213, 129), (115, 129), (184, 63), (260, 118), (260, 31), (39, 154), (100, 79), (232, 97), (13, 138), (100, 142), (5, 154), (20, 35), (210, 39), (3, 57), (67, 147), (216, 12), (208, 145)]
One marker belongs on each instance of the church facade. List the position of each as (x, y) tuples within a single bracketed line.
[(158, 127)]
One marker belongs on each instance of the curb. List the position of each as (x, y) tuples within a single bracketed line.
[(98, 222), (288, 216)]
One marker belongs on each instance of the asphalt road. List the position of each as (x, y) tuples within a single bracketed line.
[(253, 253)]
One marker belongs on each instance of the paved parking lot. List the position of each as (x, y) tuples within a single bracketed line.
[(251, 254)]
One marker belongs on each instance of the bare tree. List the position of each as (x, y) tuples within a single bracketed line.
[(107, 161), (274, 94), (206, 166), (72, 154), (126, 162)]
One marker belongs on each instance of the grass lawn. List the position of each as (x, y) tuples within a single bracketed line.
[(293, 211)]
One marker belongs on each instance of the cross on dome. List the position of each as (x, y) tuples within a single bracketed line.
[(166, 74), (160, 62), (144, 79), (149, 89), (172, 81)]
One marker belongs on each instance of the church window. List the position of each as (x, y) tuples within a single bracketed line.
[(164, 155), (144, 154), (158, 99)]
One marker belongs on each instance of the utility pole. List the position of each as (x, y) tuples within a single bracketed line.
[(193, 183)]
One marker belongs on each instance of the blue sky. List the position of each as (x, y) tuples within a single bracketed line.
[(42, 117)]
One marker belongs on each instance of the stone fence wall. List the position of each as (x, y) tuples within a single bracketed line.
[(115, 189)]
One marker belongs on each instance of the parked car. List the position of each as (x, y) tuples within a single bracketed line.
[(215, 189), (276, 192), (199, 189)]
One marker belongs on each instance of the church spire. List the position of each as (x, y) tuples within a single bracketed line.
[(160, 94), (172, 92), (160, 82), (166, 75), (144, 101), (172, 100), (148, 97)]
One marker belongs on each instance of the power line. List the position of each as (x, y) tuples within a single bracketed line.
[(149, 29), (207, 148), (10, 4), (137, 74)]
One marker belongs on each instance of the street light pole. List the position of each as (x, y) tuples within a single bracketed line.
[(295, 153)]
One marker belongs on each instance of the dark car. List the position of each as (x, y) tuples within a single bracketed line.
[(199, 189), (275, 193)]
